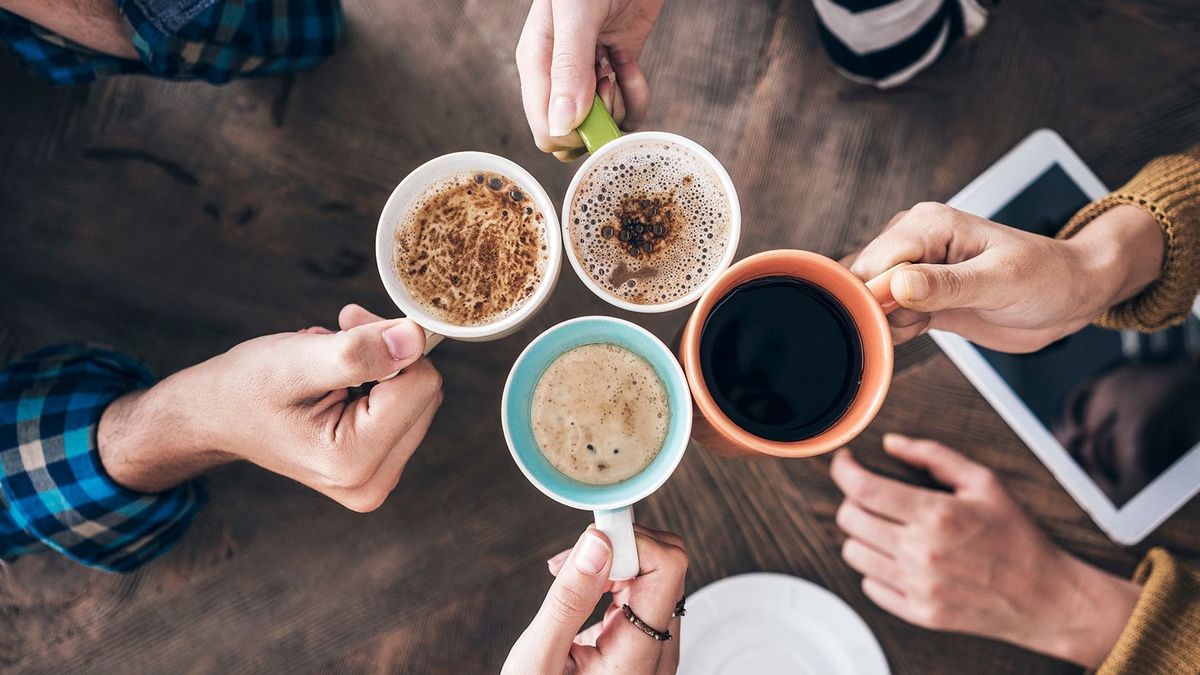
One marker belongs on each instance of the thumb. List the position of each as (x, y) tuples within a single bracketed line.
[(361, 354), (933, 288), (572, 65), (579, 585)]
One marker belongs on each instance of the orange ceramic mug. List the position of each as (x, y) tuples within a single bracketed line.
[(866, 304)]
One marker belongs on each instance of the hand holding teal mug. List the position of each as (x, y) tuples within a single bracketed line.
[(611, 503)]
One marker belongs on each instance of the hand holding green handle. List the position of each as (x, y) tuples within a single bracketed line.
[(598, 128)]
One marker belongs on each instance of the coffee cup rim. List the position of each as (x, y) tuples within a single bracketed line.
[(869, 320), (735, 219), (411, 187), (631, 490)]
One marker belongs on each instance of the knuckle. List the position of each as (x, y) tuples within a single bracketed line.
[(948, 283), (935, 591), (942, 518), (567, 605), (932, 615), (522, 51), (928, 558), (847, 549), (928, 210), (364, 501), (677, 558), (347, 360), (986, 479), (435, 381), (565, 66), (844, 517)]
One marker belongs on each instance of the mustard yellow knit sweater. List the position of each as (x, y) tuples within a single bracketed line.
[(1167, 188), (1163, 634)]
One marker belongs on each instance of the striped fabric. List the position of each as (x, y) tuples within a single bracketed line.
[(887, 42), (54, 492), (228, 39)]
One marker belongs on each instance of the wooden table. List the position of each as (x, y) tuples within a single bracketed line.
[(175, 220)]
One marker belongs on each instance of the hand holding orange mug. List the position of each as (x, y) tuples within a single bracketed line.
[(787, 354), (1004, 288)]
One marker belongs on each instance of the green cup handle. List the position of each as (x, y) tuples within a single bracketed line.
[(598, 128)]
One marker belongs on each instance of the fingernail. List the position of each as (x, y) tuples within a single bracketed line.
[(591, 553), (913, 285), (892, 438), (402, 341), (620, 56), (562, 115)]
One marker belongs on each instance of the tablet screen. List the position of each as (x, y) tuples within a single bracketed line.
[(1125, 406)]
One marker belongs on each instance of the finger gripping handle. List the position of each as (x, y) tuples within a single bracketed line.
[(617, 525), (881, 288)]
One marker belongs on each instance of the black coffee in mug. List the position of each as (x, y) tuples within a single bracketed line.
[(781, 357)]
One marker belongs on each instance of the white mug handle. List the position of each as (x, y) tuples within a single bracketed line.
[(432, 340), (617, 525)]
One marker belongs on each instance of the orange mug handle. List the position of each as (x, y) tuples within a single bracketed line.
[(881, 288)]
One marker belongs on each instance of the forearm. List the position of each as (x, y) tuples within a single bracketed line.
[(1121, 252), (95, 24), (1089, 612), (1166, 190), (148, 441)]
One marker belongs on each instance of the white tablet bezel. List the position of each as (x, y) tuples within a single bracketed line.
[(1129, 524)]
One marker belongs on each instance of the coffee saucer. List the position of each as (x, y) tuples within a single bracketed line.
[(774, 623)]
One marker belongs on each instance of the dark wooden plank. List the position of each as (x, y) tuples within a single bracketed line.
[(174, 220)]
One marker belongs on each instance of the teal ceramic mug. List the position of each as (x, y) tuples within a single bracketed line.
[(612, 504)]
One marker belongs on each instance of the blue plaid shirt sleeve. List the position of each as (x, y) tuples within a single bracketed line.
[(54, 492), (227, 39)]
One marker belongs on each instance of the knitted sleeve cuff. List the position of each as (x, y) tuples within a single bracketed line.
[(1161, 634), (1167, 188)]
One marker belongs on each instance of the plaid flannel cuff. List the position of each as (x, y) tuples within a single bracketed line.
[(53, 484), (55, 58), (237, 38), (219, 41)]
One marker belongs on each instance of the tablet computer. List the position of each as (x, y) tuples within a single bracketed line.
[(1114, 415)]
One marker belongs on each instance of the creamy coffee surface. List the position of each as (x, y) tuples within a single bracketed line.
[(650, 223), (472, 249), (600, 414)]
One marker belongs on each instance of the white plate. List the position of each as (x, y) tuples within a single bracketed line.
[(774, 623)]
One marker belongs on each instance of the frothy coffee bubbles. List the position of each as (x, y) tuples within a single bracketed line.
[(650, 223)]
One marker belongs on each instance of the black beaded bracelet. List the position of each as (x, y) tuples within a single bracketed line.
[(661, 636)]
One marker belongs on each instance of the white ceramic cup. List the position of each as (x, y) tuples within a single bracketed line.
[(404, 198), (599, 156)]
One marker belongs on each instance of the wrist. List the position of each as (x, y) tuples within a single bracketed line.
[(1090, 614), (1119, 254), (148, 440)]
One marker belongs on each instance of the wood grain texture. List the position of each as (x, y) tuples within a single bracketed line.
[(175, 220)]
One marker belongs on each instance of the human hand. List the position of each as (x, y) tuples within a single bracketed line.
[(552, 644), (970, 560), (1005, 288), (565, 47), (283, 402)]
